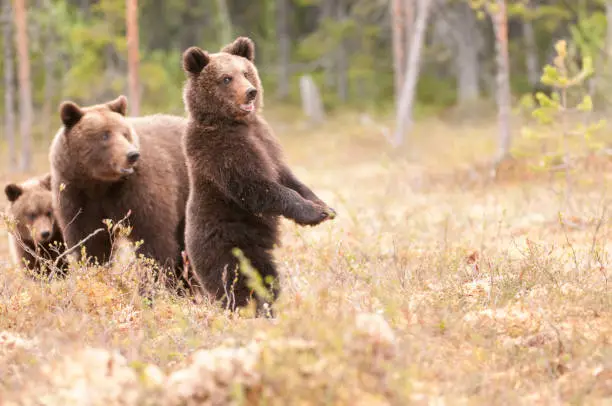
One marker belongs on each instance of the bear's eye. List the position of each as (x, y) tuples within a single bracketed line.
[(227, 80), (31, 216), (105, 136), (49, 214), (246, 74)]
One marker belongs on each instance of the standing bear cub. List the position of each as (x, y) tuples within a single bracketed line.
[(239, 182), (30, 206), (105, 165)]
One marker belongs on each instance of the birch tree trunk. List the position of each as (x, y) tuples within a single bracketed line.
[(25, 85), (9, 84), (467, 49), (408, 21), (284, 48), (500, 24), (133, 57), (404, 111)]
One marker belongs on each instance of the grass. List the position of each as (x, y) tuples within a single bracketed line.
[(434, 285)]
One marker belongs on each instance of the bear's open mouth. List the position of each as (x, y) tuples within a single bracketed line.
[(250, 106)]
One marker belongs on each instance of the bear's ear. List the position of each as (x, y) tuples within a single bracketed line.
[(242, 46), (194, 60), (119, 105), (70, 113), (45, 181), (13, 191)]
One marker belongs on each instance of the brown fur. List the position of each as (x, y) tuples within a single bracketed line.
[(30, 205), (90, 156), (239, 182)]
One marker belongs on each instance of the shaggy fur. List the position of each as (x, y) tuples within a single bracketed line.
[(30, 205), (105, 165), (239, 182)]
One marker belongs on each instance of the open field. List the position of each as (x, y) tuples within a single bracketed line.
[(432, 286)]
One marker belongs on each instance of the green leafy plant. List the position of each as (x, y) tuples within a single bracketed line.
[(556, 115)]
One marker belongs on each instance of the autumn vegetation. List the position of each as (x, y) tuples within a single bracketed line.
[(469, 261)]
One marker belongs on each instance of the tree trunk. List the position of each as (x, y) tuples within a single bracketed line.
[(500, 24), (133, 58), (531, 53), (408, 21), (9, 84), (404, 111), (48, 89), (398, 31), (49, 61), (311, 100), (224, 22), (25, 89), (284, 48), (467, 62)]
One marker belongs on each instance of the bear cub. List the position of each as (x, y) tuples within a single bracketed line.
[(239, 181), (105, 165), (30, 205)]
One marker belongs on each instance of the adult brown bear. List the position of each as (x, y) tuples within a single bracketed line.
[(239, 182), (105, 165)]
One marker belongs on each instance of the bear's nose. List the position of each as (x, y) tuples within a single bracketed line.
[(133, 156), (251, 93), (45, 234)]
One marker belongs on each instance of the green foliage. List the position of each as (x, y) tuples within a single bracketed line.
[(554, 114), (80, 47)]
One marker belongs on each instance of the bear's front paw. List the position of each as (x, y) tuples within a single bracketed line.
[(331, 213), (315, 214)]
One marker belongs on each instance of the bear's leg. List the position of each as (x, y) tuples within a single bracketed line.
[(263, 263), (222, 277)]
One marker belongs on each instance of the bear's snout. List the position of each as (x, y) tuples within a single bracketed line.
[(45, 235), (251, 94), (132, 157)]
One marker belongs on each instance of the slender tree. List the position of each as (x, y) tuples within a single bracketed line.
[(500, 24), (9, 84), (404, 111), (25, 88), (133, 58)]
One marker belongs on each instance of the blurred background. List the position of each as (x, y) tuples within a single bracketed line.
[(318, 59)]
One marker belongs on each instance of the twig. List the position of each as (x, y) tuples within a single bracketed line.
[(575, 258), (83, 241)]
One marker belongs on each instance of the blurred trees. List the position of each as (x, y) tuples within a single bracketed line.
[(356, 51), (133, 57), (8, 82), (25, 84)]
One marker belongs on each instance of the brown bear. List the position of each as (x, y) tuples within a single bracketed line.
[(30, 206), (105, 165), (239, 181)]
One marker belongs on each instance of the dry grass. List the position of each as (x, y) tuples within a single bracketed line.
[(432, 286)]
